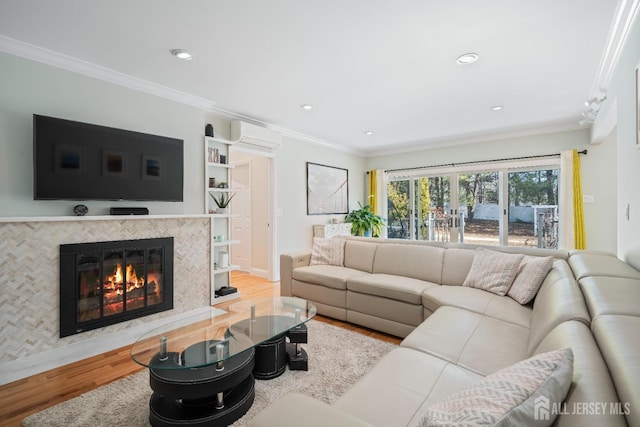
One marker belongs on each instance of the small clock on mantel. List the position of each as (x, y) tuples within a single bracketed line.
[(80, 210)]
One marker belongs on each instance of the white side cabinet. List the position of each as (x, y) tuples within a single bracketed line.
[(330, 230), (217, 179)]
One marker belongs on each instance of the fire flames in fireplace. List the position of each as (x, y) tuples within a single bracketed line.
[(114, 288)]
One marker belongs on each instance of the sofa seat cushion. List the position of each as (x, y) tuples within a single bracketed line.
[(399, 288), (478, 301), (611, 295), (331, 276), (479, 343), (393, 392)]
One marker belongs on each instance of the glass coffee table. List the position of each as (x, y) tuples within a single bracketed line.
[(202, 368)]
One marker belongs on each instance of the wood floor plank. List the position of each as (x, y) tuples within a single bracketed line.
[(24, 397)]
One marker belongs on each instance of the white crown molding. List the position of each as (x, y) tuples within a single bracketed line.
[(56, 59), (626, 13), (473, 139), (59, 60)]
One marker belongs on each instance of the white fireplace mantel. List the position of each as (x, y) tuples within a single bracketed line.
[(97, 217)]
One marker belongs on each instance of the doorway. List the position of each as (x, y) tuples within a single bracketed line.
[(252, 210)]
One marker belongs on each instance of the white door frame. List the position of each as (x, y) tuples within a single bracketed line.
[(273, 273)]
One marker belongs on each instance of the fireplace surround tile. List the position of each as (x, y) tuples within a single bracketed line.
[(29, 275)]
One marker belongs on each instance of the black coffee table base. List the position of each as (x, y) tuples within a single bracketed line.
[(202, 396), (218, 394), (273, 354)]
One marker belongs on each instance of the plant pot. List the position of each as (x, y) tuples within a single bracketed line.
[(222, 210), (368, 233)]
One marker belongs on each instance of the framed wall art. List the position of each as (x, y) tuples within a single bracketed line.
[(327, 190)]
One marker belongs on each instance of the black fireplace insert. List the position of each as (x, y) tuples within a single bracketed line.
[(104, 283)]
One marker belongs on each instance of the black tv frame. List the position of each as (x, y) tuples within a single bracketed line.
[(82, 161)]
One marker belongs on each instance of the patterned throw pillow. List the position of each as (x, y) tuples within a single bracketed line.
[(327, 251), (530, 276), (493, 271), (519, 395)]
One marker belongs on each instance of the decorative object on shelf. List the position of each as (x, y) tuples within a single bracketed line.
[(213, 155), (208, 130), (364, 222), (223, 159), (80, 210), (223, 259), (218, 238), (212, 182), (222, 201), (327, 190), (222, 185)]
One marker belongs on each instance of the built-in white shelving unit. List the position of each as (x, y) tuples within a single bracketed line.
[(217, 181)]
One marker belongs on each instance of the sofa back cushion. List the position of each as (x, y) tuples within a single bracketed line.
[(418, 262), (359, 255), (617, 338), (592, 386), (557, 301), (590, 263), (456, 266)]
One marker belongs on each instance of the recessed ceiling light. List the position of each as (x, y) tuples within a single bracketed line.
[(497, 107), (182, 54), (306, 107), (467, 58), (368, 132)]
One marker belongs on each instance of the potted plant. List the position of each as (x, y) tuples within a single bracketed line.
[(222, 201), (364, 222)]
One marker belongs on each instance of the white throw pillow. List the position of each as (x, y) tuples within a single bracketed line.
[(531, 274), (493, 271), (519, 395), (327, 251)]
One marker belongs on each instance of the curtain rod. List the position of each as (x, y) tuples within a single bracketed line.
[(479, 162)]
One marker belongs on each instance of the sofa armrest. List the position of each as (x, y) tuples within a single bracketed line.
[(287, 263), (294, 410)]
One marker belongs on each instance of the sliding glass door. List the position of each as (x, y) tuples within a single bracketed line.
[(509, 206)]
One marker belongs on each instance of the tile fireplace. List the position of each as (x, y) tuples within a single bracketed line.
[(104, 283)]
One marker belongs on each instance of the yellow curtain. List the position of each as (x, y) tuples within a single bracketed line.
[(579, 235), (372, 199)]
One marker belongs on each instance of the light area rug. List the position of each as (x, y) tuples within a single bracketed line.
[(337, 358)]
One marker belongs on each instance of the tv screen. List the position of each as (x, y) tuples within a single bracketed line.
[(82, 161)]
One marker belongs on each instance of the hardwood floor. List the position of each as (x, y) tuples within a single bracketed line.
[(30, 395)]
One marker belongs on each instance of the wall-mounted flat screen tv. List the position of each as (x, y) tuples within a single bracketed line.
[(82, 161)]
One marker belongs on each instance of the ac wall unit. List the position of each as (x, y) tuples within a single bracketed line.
[(255, 136)]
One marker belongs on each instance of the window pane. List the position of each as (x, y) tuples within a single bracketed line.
[(533, 208), (479, 201), (398, 209)]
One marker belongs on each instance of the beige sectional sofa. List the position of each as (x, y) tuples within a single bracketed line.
[(455, 335)]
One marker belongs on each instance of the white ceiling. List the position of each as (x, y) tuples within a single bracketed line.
[(379, 65)]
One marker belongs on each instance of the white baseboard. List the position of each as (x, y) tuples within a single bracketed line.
[(26, 366), (258, 272)]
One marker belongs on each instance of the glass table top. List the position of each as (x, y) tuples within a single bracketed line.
[(211, 337)]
